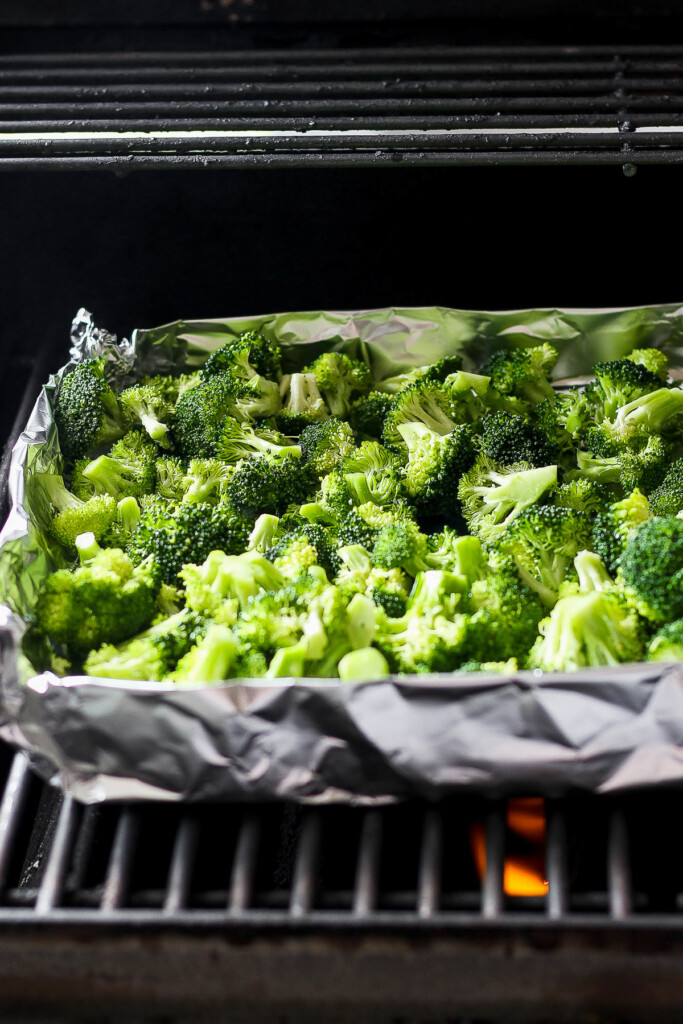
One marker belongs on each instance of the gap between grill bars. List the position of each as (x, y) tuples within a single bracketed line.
[(280, 866), (340, 107)]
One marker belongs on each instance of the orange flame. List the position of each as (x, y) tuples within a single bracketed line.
[(524, 872)]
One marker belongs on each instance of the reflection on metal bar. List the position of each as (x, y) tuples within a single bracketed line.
[(556, 862), (50, 892), (618, 866), (120, 860), (11, 810), (492, 889), (429, 876), (182, 863), (366, 885), (305, 867), (244, 864)]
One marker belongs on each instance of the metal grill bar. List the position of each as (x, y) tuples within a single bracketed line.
[(303, 887), (244, 866), (429, 880), (121, 860), (12, 809), (298, 107), (556, 863), (367, 869), (182, 863), (52, 885), (492, 890), (618, 867)]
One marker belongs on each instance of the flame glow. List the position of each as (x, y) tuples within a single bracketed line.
[(524, 871)]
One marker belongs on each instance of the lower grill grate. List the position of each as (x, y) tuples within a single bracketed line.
[(276, 865)]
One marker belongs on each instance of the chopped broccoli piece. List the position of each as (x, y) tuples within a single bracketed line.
[(367, 415), (263, 483), (667, 498), (595, 628), (150, 655), (667, 643), (224, 577), (238, 441), (492, 496), (363, 665), (340, 379), (171, 481), (201, 412), (74, 516), (436, 405), (87, 412), (521, 373), (583, 496), (653, 360), (324, 445), (210, 660), (206, 480), (266, 533), (401, 545), (436, 462), (614, 527), (250, 354), (507, 438), (652, 567), (505, 615), (149, 406), (129, 469), (303, 404)]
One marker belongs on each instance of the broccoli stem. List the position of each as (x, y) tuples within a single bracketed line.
[(128, 513), (56, 492), (591, 572), (87, 547), (105, 474), (210, 661), (364, 664), (265, 533)]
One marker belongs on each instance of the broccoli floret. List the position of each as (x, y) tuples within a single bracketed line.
[(652, 567), (201, 412), (639, 463), (367, 415), (129, 469), (263, 483), (667, 498), (150, 655), (416, 645), (388, 588), (176, 535), (437, 406), (303, 404), (521, 373), (124, 525), (492, 496), (206, 480), (266, 533), (238, 441), (462, 555), (507, 439), (653, 360), (614, 527), (595, 628), (149, 405), (433, 372), (325, 444), (436, 462), (224, 577), (505, 616), (340, 379), (617, 383), (548, 418), (103, 601), (246, 356), (323, 542), (210, 660), (667, 643), (583, 496), (363, 665), (401, 545), (170, 478), (543, 541), (293, 556), (658, 412), (87, 412), (74, 516)]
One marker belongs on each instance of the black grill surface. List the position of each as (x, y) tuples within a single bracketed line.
[(288, 107)]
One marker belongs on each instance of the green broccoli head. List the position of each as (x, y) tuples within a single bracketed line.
[(149, 406), (436, 405), (653, 360), (436, 462), (582, 495), (401, 545), (87, 412), (249, 355), (368, 413), (415, 645), (323, 542), (222, 577), (522, 374), (209, 660), (543, 541), (73, 516), (129, 469), (640, 462), (492, 496), (171, 483), (151, 655), (595, 628), (507, 438), (200, 414), (652, 567), (302, 406), (340, 379), (618, 382), (667, 643), (614, 527), (263, 483), (667, 498), (325, 444), (505, 616), (238, 441), (103, 601), (657, 412)]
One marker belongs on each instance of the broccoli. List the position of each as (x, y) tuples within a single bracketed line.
[(151, 655), (363, 665), (210, 660), (652, 567), (594, 628), (437, 406), (325, 444), (206, 480), (617, 383), (388, 588), (200, 414), (657, 412), (87, 412), (614, 527), (249, 355), (653, 360), (73, 516), (319, 538), (238, 441), (433, 372), (507, 438), (542, 541), (303, 404), (492, 496), (170, 481), (436, 462), (129, 469), (638, 463), (416, 645), (224, 577), (667, 643), (263, 483), (367, 415), (267, 531), (504, 618), (583, 495), (521, 374), (401, 545), (123, 526), (104, 600), (176, 535), (340, 379), (149, 405), (667, 498)]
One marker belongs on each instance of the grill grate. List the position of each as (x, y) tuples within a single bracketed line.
[(340, 107), (276, 866)]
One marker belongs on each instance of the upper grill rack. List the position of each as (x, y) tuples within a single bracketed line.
[(419, 105), (278, 866)]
